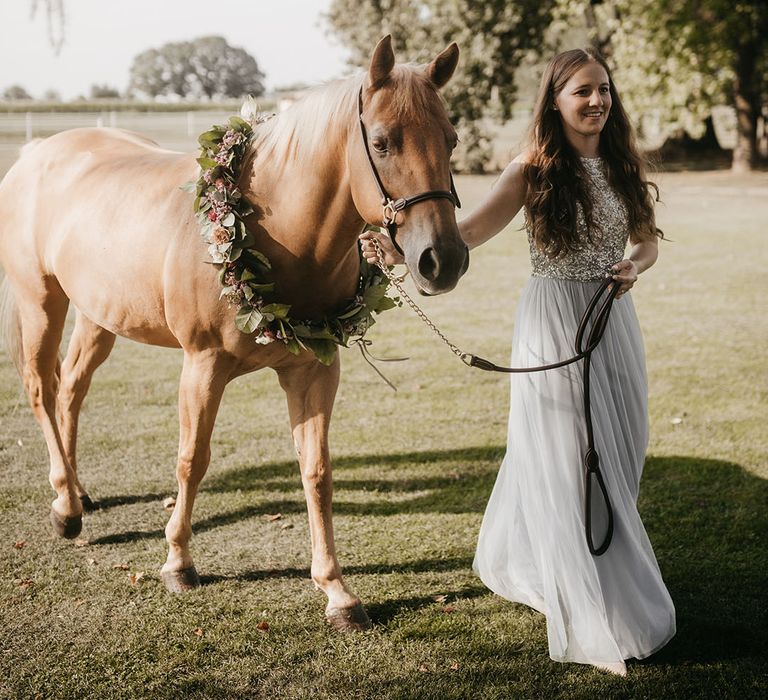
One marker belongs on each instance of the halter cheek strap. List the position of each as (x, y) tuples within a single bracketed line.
[(390, 207)]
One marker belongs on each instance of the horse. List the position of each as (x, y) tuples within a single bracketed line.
[(98, 217)]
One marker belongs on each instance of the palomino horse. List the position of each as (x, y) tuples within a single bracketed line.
[(97, 216)]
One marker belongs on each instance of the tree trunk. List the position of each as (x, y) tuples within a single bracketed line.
[(747, 105)]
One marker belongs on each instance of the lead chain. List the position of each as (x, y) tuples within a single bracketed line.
[(464, 357)]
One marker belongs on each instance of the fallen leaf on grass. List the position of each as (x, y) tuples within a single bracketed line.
[(135, 578), (169, 503), (24, 583), (122, 567), (20, 544), (449, 609), (79, 542), (271, 518), (455, 666), (199, 632), (286, 526), (263, 626), (676, 420), (423, 668), (440, 598), (91, 561), (80, 602), (20, 442)]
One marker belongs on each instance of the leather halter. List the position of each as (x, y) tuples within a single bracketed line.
[(392, 206)]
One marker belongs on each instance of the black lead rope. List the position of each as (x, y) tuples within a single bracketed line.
[(591, 457)]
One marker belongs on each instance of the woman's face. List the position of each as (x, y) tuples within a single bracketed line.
[(584, 102)]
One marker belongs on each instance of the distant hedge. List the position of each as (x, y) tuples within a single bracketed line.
[(23, 106)]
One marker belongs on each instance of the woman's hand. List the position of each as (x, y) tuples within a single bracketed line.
[(391, 256), (624, 272)]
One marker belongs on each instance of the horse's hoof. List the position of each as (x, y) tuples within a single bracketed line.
[(353, 619), (181, 581), (88, 505), (66, 527)]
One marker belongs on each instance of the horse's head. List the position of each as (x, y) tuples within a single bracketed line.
[(409, 140)]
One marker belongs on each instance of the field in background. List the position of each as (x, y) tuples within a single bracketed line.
[(413, 471)]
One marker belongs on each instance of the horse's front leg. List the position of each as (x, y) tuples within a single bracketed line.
[(311, 390), (203, 378)]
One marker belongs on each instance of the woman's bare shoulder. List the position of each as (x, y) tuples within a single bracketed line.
[(524, 157)]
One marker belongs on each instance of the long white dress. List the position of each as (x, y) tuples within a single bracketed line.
[(532, 547)]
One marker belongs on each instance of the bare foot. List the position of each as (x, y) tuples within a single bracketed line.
[(619, 668)]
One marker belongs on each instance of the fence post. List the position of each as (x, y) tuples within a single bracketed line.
[(29, 126)]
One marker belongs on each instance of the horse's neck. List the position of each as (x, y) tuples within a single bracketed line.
[(305, 202)]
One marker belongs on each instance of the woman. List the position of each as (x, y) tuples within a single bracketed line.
[(582, 184)]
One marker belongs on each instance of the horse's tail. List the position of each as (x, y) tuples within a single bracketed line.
[(10, 324)]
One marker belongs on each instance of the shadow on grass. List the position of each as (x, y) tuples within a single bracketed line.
[(708, 523), (707, 520)]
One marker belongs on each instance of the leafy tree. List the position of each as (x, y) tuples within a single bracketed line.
[(494, 36), (206, 67), (16, 92), (99, 92), (682, 57)]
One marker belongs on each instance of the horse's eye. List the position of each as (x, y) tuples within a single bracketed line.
[(380, 145)]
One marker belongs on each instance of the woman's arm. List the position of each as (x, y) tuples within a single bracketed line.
[(495, 211), (641, 256), (498, 208)]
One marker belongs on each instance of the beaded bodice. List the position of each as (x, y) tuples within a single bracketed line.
[(591, 260)]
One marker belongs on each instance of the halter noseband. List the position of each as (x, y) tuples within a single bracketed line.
[(390, 206)]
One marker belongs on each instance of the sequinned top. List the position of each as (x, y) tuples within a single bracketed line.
[(591, 260)]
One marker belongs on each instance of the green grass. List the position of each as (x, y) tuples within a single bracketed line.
[(413, 471)]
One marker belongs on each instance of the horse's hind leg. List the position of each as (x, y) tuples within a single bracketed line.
[(89, 346), (203, 379), (43, 310), (311, 390)]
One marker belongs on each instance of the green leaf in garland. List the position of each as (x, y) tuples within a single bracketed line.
[(207, 163), (279, 311), (189, 187), (247, 319), (293, 346), (228, 220), (325, 350)]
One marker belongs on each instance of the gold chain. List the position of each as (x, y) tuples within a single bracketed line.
[(464, 357)]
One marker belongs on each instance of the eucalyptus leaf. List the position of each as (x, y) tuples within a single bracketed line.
[(228, 220)]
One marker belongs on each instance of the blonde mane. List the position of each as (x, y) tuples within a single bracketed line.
[(301, 130)]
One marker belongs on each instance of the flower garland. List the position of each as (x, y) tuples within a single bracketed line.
[(221, 212)]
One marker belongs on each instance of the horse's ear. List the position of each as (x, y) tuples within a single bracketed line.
[(382, 61), (441, 69)]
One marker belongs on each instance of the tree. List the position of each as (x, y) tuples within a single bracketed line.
[(100, 92), (54, 12), (494, 36), (206, 67), (682, 57), (16, 92)]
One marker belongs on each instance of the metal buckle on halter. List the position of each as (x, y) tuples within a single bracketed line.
[(391, 207)]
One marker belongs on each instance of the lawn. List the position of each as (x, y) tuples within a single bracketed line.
[(413, 470)]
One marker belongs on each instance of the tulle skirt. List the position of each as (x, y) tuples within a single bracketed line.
[(532, 547)]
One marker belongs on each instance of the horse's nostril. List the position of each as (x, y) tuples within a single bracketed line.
[(429, 265)]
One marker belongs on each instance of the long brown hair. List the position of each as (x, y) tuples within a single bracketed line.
[(556, 178)]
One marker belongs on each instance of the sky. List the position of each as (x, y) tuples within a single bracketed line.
[(286, 37)]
